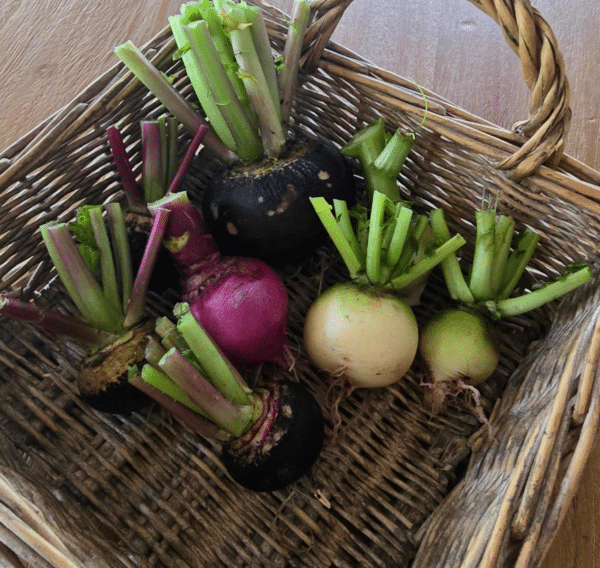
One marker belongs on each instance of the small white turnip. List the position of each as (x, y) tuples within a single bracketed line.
[(459, 345)]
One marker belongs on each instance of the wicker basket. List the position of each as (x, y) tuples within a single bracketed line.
[(397, 486)]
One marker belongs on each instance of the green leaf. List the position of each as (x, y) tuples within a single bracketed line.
[(91, 257), (81, 228), (181, 51), (83, 232)]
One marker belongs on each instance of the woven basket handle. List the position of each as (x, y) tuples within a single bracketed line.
[(542, 66)]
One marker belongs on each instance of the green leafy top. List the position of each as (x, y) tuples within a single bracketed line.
[(81, 229)]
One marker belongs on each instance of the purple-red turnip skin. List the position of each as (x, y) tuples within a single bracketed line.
[(241, 302), (243, 305)]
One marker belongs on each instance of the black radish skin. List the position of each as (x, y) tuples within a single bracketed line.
[(102, 377), (263, 210), (284, 444)]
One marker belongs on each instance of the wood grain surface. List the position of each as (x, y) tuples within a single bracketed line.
[(50, 51)]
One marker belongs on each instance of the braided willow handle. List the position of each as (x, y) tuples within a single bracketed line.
[(543, 69), (542, 66)]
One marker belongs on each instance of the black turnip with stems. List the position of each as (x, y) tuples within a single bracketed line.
[(258, 205), (96, 272), (271, 435)]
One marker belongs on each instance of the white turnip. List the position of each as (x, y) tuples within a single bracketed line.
[(368, 336)]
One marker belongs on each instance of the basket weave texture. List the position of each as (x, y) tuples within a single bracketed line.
[(396, 486)]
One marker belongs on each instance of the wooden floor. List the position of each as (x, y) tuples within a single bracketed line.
[(49, 51)]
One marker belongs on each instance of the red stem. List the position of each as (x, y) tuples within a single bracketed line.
[(51, 320), (133, 191), (187, 159)]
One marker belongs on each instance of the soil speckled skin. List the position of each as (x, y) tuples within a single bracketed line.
[(280, 455), (102, 378), (264, 210)]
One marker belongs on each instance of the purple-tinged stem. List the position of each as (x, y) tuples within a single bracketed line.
[(110, 284), (185, 415), (187, 159), (137, 304), (133, 191), (80, 283), (232, 418), (122, 252), (52, 321), (153, 175)]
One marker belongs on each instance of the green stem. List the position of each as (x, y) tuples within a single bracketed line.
[(264, 53), (428, 263), (252, 74), (154, 81), (199, 84), (118, 232), (411, 246), (219, 371), (373, 260), (80, 283), (344, 222), (288, 70), (480, 281), (161, 381), (110, 284), (505, 227), (231, 417), (188, 417), (543, 295), (390, 161), (223, 46), (351, 260), (399, 236), (362, 228), (154, 351), (453, 275), (169, 335), (517, 262), (247, 141), (365, 146)]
